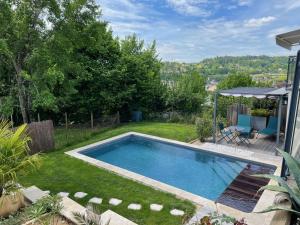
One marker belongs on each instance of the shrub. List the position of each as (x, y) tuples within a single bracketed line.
[(204, 126), (260, 112), (175, 117)]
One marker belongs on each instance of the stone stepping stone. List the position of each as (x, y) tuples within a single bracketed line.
[(177, 212), (80, 194), (95, 200), (33, 194), (156, 207), (134, 206), (63, 194), (115, 201)]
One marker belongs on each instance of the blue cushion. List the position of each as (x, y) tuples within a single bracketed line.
[(244, 120), (272, 124), (268, 131)]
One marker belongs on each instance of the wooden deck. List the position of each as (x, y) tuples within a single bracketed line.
[(262, 144), (243, 193)]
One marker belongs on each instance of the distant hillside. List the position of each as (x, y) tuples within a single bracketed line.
[(217, 68)]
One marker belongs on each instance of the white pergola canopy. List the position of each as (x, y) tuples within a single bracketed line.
[(289, 39), (254, 92)]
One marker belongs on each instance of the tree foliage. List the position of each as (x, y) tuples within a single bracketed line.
[(236, 80), (59, 56), (188, 94), (260, 67)]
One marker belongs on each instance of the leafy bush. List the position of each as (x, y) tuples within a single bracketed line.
[(260, 112), (204, 126), (175, 117)]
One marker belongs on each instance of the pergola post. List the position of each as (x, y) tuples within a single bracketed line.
[(279, 120), (215, 117)]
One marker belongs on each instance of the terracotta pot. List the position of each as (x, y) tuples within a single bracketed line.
[(10, 204)]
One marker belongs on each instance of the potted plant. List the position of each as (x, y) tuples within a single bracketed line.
[(14, 159), (259, 118)]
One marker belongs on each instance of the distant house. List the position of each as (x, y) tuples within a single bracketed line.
[(211, 86)]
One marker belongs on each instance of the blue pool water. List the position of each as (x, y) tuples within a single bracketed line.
[(201, 173)]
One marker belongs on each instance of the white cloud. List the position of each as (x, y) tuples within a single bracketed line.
[(258, 22), (244, 2), (190, 7), (117, 14), (191, 39), (288, 5), (125, 28), (121, 9)]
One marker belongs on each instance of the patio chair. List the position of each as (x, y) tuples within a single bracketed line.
[(271, 128), (242, 138), (227, 135), (244, 122)]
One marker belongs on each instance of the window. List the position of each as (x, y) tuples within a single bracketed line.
[(296, 136), (291, 70)]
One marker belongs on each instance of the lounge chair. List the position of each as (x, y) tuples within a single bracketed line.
[(244, 125), (271, 128), (227, 135)]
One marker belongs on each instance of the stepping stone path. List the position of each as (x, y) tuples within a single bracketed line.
[(95, 200), (80, 194), (156, 207), (177, 212), (63, 194), (134, 206), (115, 201)]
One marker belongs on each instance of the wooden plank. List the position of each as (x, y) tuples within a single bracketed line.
[(242, 192), (42, 136)]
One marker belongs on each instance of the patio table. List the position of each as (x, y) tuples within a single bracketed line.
[(237, 130)]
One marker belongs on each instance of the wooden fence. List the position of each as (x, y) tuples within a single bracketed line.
[(42, 136), (233, 111)]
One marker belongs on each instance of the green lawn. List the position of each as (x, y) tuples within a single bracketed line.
[(60, 172)]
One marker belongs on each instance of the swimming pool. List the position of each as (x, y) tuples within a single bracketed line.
[(202, 173)]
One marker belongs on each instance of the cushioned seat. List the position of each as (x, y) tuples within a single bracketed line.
[(244, 123), (271, 129)]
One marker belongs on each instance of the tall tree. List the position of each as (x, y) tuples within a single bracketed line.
[(188, 94), (140, 69), (69, 58), (22, 28)]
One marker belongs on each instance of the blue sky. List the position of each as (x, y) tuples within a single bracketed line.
[(191, 30)]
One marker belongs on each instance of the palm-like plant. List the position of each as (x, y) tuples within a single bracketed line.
[(14, 156), (293, 192), (92, 216)]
